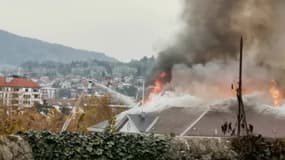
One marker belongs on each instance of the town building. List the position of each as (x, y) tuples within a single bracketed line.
[(48, 93), (19, 91)]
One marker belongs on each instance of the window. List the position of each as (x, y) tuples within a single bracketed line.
[(36, 96), (15, 102), (15, 95), (27, 90), (26, 102), (16, 89), (35, 90), (27, 96)]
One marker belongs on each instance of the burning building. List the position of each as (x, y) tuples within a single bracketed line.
[(203, 63), (190, 116)]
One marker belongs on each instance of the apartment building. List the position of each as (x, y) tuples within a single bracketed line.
[(19, 91), (48, 93)]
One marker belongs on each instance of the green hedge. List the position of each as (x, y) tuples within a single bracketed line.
[(120, 146), (101, 146), (258, 148)]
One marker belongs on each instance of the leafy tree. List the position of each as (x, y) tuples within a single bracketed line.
[(93, 110)]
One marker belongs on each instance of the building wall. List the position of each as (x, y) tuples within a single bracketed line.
[(48, 93), (22, 97)]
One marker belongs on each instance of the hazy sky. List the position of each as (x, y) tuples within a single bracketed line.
[(124, 29)]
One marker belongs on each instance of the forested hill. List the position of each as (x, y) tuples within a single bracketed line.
[(89, 68), (15, 50)]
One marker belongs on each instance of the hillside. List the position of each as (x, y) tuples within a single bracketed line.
[(15, 50)]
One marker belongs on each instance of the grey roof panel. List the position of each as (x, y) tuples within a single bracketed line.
[(142, 121), (210, 124), (99, 127), (176, 120)]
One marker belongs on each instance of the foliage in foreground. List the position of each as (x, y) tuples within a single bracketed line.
[(102, 146), (13, 120), (42, 117), (120, 146), (250, 147), (258, 148)]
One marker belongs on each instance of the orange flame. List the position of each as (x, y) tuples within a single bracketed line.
[(276, 93), (156, 89), (157, 86)]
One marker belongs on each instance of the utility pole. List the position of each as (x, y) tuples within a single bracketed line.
[(241, 117), (143, 90)]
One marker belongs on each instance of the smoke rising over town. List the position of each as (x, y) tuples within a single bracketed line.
[(208, 43)]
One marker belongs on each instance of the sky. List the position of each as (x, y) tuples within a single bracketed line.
[(124, 29)]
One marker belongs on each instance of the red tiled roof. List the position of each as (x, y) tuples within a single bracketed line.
[(18, 82), (2, 81)]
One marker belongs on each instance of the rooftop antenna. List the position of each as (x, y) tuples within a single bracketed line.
[(241, 117)]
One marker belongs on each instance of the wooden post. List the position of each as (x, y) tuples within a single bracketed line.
[(241, 117), (239, 89)]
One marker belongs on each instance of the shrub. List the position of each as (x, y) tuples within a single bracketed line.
[(102, 146), (119, 146), (258, 148)]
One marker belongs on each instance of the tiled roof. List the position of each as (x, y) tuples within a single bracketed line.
[(2, 81), (267, 125), (176, 120), (18, 82), (142, 122)]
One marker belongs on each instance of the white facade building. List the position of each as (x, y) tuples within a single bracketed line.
[(48, 92), (19, 91)]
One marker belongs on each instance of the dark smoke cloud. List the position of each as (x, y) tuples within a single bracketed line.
[(212, 29)]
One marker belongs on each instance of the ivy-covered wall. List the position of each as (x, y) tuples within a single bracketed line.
[(243, 148), (44, 145), (101, 146)]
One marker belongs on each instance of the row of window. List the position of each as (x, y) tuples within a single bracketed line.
[(26, 102), (17, 95), (29, 96), (18, 89)]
